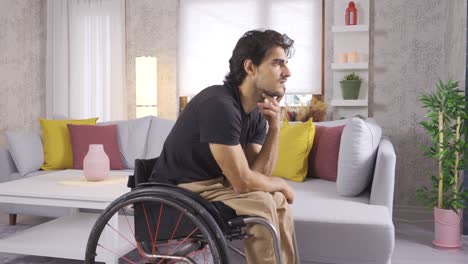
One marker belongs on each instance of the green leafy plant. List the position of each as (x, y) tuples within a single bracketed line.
[(444, 124), (351, 77)]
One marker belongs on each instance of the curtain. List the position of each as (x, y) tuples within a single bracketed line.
[(86, 59), (209, 30)]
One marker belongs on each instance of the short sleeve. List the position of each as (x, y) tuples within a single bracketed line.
[(259, 134), (220, 121)]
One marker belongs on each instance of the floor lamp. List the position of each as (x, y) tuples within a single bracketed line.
[(146, 73)]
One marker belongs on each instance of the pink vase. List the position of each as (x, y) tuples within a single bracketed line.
[(96, 165), (447, 228)]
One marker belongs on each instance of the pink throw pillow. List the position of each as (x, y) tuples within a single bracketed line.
[(323, 158), (81, 136)]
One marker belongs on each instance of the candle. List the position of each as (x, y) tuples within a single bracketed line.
[(353, 57), (343, 57)]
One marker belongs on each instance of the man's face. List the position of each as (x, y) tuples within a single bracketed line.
[(272, 73)]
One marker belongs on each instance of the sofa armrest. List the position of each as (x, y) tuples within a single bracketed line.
[(384, 175), (7, 165)]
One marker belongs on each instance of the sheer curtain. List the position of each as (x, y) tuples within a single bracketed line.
[(86, 59), (209, 30)]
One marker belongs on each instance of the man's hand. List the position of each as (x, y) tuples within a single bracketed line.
[(285, 189), (232, 161), (288, 193), (271, 110)]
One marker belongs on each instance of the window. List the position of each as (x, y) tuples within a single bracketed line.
[(85, 64), (209, 30)]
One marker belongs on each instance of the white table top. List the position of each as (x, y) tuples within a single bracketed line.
[(47, 190)]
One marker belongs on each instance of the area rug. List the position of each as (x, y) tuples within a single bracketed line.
[(6, 258)]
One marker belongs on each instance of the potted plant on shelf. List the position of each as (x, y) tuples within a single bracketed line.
[(444, 124), (350, 85)]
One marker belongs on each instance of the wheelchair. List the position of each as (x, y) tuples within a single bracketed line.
[(159, 223)]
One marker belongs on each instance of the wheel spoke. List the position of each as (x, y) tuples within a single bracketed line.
[(177, 225), (122, 257), (204, 254), (133, 233), (180, 243), (157, 228), (148, 224), (145, 236), (167, 244), (129, 225), (121, 235)]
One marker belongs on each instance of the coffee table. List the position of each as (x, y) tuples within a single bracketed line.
[(67, 236)]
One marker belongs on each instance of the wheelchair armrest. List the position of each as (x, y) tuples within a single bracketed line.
[(237, 222)]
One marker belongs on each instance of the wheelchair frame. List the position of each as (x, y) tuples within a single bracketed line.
[(216, 221)]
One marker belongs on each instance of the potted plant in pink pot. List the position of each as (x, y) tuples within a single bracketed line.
[(444, 123)]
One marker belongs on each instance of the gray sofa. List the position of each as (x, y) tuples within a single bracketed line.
[(330, 227)]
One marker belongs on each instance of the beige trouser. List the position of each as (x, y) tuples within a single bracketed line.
[(271, 206)]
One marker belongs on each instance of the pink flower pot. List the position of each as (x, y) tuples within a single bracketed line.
[(447, 228), (96, 165)]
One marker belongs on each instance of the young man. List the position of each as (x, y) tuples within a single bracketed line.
[(220, 148)]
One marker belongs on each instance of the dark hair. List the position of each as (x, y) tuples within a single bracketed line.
[(254, 45)]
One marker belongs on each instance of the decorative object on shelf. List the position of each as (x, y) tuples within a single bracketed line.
[(316, 109), (96, 165), (183, 101), (353, 57), (351, 14), (446, 111), (350, 86), (343, 57)]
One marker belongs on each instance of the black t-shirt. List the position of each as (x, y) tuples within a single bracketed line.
[(215, 115)]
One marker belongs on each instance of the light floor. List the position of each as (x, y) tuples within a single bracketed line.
[(413, 243)]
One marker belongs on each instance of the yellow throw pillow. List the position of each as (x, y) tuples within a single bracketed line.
[(56, 140), (295, 143)]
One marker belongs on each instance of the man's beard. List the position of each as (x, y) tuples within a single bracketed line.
[(269, 93), (272, 94)]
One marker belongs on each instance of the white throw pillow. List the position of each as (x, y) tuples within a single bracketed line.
[(26, 150), (133, 134), (157, 135), (359, 142)]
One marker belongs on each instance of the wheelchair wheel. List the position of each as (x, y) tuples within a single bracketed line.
[(156, 225)]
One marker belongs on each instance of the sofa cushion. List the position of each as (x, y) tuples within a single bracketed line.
[(358, 149), (133, 134), (158, 132), (81, 136), (56, 140), (26, 150), (340, 226), (323, 158), (295, 142), (39, 172), (333, 123)]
